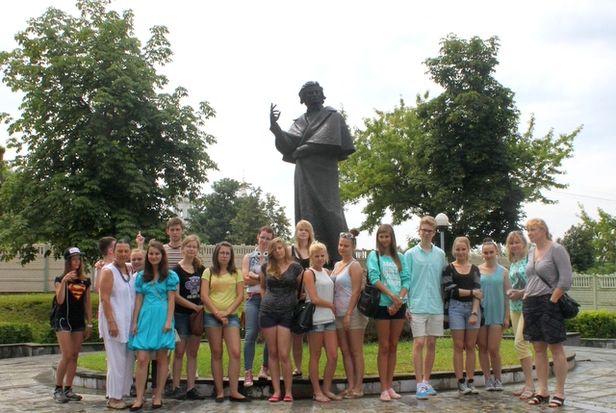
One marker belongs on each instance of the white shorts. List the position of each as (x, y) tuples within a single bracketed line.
[(424, 325)]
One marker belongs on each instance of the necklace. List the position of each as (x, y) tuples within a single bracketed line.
[(127, 279)]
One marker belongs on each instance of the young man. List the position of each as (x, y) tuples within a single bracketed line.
[(425, 303), (175, 232), (106, 245)]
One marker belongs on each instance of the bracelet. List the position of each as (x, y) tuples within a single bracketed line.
[(89, 325)]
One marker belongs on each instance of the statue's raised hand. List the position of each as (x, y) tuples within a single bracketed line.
[(274, 114)]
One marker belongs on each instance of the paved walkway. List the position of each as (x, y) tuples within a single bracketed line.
[(25, 386)]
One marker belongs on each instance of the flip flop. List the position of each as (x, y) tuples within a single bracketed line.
[(274, 399), (538, 399), (556, 402), (526, 394)]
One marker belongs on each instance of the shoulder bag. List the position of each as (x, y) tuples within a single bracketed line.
[(369, 299), (569, 308), (303, 311)]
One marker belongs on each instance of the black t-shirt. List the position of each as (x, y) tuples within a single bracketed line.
[(470, 281), (304, 262), (190, 287), (74, 306)]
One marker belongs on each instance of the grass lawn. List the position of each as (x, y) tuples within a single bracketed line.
[(443, 362)]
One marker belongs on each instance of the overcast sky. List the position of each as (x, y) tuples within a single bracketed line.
[(557, 56)]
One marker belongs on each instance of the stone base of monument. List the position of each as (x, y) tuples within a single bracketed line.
[(302, 388)]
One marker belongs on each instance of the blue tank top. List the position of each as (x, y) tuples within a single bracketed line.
[(493, 302)]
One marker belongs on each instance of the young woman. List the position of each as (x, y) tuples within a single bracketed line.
[(222, 292), (494, 287), (280, 285), (517, 253), (388, 272), (117, 300), (549, 277), (251, 271), (153, 325), (137, 259), (304, 237), (187, 301), (320, 292), (462, 280), (350, 323), (72, 321)]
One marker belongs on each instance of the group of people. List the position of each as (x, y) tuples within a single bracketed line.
[(148, 300)]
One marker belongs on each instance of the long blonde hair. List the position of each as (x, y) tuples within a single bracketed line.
[(303, 224), (273, 266), (519, 235)]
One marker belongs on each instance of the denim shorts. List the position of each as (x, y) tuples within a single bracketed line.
[(182, 324), (320, 328), (459, 313), (212, 322)]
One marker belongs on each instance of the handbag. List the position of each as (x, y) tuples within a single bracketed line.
[(369, 299), (302, 312), (569, 308), (196, 323)]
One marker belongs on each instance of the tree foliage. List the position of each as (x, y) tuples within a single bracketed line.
[(603, 232), (578, 240), (102, 151), (459, 153), (234, 212)]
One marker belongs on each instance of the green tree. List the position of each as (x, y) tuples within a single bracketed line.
[(603, 232), (235, 211), (101, 150), (578, 240), (459, 153)]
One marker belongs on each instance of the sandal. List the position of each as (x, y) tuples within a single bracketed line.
[(297, 373), (538, 399), (321, 398), (288, 398), (526, 394), (274, 399), (556, 402)]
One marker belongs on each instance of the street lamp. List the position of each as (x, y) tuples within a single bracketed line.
[(442, 223)]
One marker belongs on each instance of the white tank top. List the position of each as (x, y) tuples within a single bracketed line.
[(325, 290), (122, 305)]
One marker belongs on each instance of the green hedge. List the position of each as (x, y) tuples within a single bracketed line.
[(15, 333), (594, 324)]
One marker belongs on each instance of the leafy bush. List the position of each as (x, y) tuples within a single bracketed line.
[(594, 324), (15, 333)]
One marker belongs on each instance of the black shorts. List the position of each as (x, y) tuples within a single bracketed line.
[(543, 320), (269, 319), (383, 314), (63, 324)]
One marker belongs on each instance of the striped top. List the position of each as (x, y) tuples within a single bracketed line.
[(174, 255)]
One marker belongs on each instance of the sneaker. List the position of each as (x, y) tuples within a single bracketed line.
[(71, 395), (490, 384), (463, 388), (248, 379), (498, 385), (177, 394), (430, 390), (194, 394), (471, 388), (59, 396), (422, 392)]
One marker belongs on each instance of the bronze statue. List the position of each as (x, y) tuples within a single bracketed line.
[(315, 143)]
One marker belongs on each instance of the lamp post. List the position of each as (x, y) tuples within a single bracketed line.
[(442, 223)]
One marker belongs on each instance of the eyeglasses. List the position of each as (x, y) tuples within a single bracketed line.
[(347, 235)]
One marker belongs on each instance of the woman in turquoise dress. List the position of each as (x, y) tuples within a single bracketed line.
[(152, 326)]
